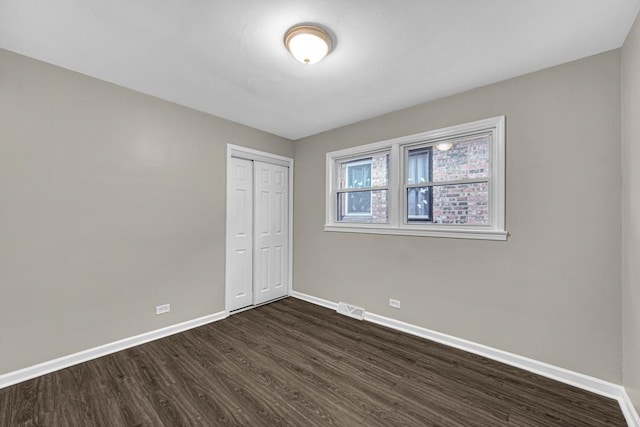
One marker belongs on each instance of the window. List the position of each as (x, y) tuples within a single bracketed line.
[(446, 183), (363, 188)]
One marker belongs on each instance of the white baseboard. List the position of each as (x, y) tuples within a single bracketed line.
[(34, 371), (315, 300), (592, 384), (629, 411)]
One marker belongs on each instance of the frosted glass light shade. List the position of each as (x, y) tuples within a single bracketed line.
[(307, 43)]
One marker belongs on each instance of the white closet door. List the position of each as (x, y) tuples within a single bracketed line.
[(271, 211), (240, 234)]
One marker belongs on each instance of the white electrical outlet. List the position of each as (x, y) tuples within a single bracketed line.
[(162, 309), (394, 303)]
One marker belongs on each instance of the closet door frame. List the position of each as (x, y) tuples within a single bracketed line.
[(261, 156)]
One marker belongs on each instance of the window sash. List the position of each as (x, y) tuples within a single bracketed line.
[(363, 157), (456, 182), (349, 166), (363, 189), (454, 139)]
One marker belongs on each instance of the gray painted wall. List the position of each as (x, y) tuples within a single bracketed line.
[(631, 213), (552, 291), (111, 202)]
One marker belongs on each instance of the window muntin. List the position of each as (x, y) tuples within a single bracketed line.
[(446, 183), (363, 188)]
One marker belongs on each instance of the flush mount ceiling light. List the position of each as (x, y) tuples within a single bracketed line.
[(308, 43)]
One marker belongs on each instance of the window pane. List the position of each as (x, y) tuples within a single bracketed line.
[(365, 173), (419, 167), (359, 176), (468, 158), (461, 204), (363, 206), (419, 204)]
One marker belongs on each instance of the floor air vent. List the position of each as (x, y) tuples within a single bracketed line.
[(351, 310)]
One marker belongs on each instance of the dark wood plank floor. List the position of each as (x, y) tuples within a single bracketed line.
[(293, 363)]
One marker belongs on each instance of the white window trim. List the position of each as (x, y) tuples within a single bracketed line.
[(396, 226)]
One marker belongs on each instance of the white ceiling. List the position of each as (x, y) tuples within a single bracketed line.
[(226, 57)]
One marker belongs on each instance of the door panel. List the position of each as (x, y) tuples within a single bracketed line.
[(240, 234), (272, 231)]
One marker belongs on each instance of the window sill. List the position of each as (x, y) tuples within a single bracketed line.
[(423, 232)]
